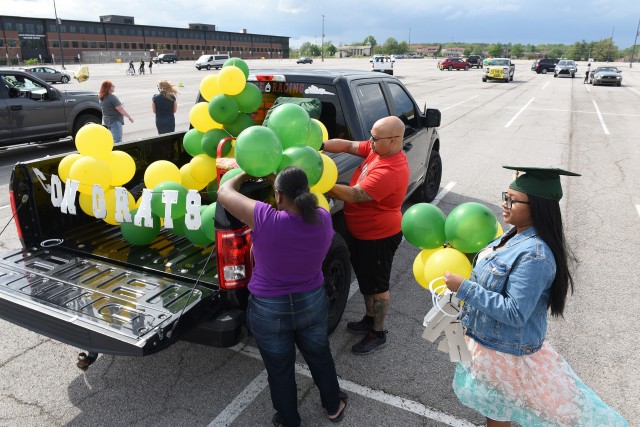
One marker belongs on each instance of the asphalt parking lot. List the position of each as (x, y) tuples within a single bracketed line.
[(534, 120)]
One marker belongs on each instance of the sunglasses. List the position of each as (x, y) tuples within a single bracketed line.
[(375, 138)]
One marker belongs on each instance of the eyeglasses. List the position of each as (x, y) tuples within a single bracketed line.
[(509, 201), (375, 138)]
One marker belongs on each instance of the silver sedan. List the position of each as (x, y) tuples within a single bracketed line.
[(48, 74), (606, 76)]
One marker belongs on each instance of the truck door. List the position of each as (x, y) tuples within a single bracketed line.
[(5, 123)]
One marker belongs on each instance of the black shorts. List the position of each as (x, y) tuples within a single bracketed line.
[(371, 261)]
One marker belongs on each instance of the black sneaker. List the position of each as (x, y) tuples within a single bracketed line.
[(370, 343), (363, 326)]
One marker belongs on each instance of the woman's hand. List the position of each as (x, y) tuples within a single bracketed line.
[(453, 281)]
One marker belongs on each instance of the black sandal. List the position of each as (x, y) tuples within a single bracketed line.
[(340, 414), (276, 421)]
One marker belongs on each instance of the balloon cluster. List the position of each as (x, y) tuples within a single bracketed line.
[(97, 163), (448, 243)]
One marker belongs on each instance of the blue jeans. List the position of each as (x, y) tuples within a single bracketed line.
[(278, 325), (116, 131)]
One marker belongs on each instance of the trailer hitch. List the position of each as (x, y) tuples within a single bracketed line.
[(85, 360)]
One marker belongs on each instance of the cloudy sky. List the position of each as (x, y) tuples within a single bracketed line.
[(347, 21)]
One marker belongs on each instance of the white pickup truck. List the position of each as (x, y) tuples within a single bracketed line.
[(382, 64), (498, 69)]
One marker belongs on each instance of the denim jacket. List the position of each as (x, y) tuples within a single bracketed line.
[(507, 294)]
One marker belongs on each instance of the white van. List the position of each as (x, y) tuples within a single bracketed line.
[(211, 61)]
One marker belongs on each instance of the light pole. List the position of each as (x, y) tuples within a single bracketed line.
[(633, 52), (409, 44), (59, 37), (322, 42)]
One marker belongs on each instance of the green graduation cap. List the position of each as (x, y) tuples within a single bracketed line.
[(541, 182)]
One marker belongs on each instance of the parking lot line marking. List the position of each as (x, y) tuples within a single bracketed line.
[(519, 112), (443, 193), (240, 403), (545, 85), (370, 393), (461, 102), (633, 90), (604, 126), (638, 209), (4, 207)]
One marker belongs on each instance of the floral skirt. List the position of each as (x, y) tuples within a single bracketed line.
[(539, 389)]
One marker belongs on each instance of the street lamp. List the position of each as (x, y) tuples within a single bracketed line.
[(322, 42), (59, 37)]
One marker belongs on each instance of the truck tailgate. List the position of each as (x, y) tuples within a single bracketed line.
[(96, 305)]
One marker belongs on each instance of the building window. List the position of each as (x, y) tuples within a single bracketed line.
[(65, 43), (118, 45), (140, 46), (109, 45), (74, 44), (126, 45), (93, 45), (84, 44), (103, 45)]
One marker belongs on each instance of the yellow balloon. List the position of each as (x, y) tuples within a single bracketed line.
[(88, 171), (500, 232), (445, 259), (322, 201), (161, 171), (203, 168), (231, 80), (94, 140), (209, 87), (65, 165), (187, 180), (200, 118), (123, 167), (325, 133), (86, 203), (418, 266), (110, 204), (329, 175)]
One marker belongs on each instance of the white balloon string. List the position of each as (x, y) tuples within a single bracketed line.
[(435, 296)]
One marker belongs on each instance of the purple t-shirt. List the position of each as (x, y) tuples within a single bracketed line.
[(288, 252)]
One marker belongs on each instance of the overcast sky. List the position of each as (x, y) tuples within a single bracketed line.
[(347, 21)]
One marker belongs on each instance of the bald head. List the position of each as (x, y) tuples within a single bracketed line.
[(389, 132)]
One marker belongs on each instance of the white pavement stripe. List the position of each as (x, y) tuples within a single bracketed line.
[(518, 113), (461, 102), (240, 403), (545, 85), (632, 89), (4, 207), (604, 126), (638, 209), (378, 395)]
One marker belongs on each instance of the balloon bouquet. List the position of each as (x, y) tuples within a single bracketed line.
[(448, 243), (291, 138)]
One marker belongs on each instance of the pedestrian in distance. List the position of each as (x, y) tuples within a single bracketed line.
[(586, 75), (141, 69), (288, 305), (150, 66), (113, 112), (373, 221), (164, 105), (132, 68), (514, 374)]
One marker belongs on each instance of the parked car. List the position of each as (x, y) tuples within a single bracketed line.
[(475, 61), (544, 65), (606, 76), (565, 67), (48, 74), (165, 57), (453, 64), (499, 69), (304, 60)]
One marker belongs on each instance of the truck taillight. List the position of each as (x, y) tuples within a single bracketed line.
[(234, 257), (14, 210)]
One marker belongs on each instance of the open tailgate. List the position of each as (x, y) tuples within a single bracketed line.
[(95, 305)]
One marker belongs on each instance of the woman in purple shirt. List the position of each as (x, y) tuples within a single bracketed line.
[(288, 305)]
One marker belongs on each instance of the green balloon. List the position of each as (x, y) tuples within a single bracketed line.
[(140, 235), (291, 123), (212, 190), (157, 205), (178, 226), (258, 151), (191, 142), (230, 174), (223, 109), (249, 99), (210, 141), (307, 159), (314, 137), (237, 62), (208, 224), (470, 227), (423, 226), (198, 236), (243, 121)]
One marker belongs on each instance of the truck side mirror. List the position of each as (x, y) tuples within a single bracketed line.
[(433, 118)]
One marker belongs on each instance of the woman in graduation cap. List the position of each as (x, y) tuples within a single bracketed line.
[(514, 374)]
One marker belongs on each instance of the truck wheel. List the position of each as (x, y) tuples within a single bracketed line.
[(544, 71), (64, 79), (336, 268), (84, 119), (484, 79), (428, 190), (208, 67)]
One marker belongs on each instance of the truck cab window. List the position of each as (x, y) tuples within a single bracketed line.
[(405, 108), (372, 101)]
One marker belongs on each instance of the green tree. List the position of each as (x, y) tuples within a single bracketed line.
[(517, 50), (371, 41), (329, 49), (403, 47), (495, 50), (390, 46), (557, 51)]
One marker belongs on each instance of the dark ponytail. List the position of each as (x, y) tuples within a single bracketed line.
[(292, 182)]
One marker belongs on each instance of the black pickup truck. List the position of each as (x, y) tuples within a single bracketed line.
[(77, 280), (32, 110)]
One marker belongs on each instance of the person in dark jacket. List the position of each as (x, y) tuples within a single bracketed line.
[(164, 106)]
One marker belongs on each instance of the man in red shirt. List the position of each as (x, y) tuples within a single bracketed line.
[(373, 220)]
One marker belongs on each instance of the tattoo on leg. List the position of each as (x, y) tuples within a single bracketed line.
[(380, 307), (368, 304)]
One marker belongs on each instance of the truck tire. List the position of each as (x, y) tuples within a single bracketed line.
[(64, 79), (208, 67), (544, 71), (84, 119), (428, 190), (336, 268)]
